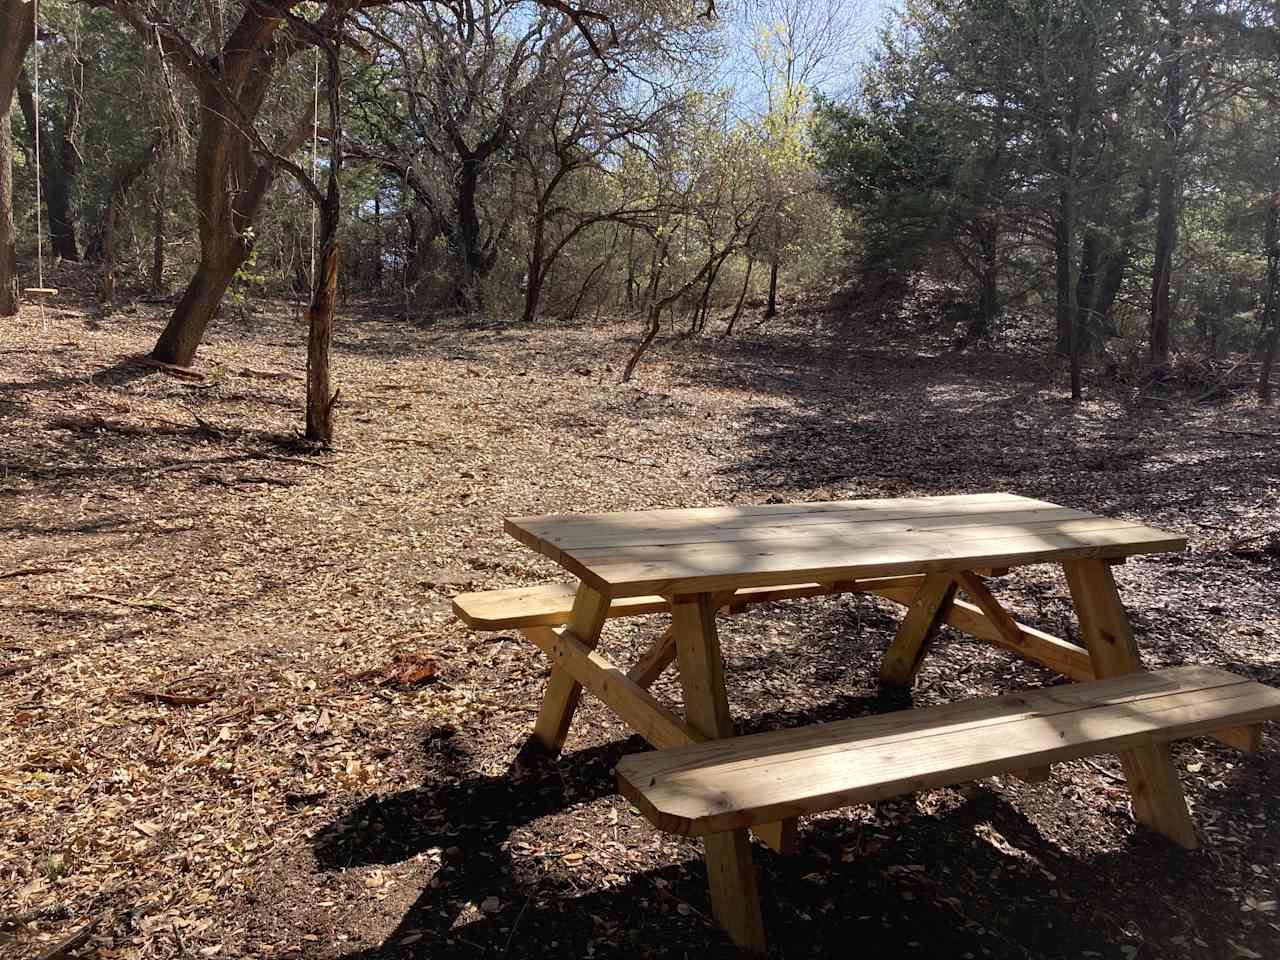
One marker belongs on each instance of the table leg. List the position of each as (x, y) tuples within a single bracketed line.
[(924, 617), (735, 898), (560, 700), (1154, 788)]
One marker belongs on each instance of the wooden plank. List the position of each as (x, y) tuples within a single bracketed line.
[(725, 785), (1059, 655), (770, 566), (836, 537), (1247, 738), (735, 895), (1154, 789), (547, 530), (999, 618), (547, 604), (660, 656), (631, 702), (816, 526), (919, 626), (560, 700), (735, 901)]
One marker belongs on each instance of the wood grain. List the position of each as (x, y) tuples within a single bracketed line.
[(731, 784)]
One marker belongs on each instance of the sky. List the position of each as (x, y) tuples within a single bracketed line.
[(856, 21)]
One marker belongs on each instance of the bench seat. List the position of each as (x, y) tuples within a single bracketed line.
[(723, 785), (549, 604)]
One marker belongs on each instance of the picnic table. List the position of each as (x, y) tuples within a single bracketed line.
[(921, 552)]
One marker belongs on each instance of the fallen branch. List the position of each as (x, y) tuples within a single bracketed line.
[(416, 441), (73, 942), (186, 373), (176, 699), (30, 572), (125, 602), (269, 374), (300, 460), (58, 912), (1104, 771)]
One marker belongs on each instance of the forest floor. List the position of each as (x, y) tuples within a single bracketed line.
[(238, 720)]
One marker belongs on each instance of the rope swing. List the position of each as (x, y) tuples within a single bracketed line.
[(40, 290)]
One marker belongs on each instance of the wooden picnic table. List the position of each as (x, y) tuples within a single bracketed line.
[(921, 552)]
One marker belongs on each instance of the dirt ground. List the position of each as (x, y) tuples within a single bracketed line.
[(238, 720)]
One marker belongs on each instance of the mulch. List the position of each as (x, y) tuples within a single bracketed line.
[(238, 720)]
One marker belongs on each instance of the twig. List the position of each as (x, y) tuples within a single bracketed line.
[(418, 441), (1104, 771), (183, 372), (59, 912), (73, 942), (519, 916), (122, 601), (30, 572), (300, 460), (177, 699), (206, 426), (269, 374)]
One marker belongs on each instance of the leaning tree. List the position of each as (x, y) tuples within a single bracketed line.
[(233, 76), (17, 30)]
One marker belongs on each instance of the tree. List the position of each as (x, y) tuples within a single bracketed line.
[(799, 47), (234, 165), (17, 31)]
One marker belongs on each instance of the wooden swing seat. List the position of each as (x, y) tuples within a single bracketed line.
[(41, 291)]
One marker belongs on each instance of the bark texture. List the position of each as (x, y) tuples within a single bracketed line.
[(17, 30)]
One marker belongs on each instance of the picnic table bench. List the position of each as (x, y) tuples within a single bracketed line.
[(921, 552)]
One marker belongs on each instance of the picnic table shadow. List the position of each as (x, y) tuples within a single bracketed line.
[(994, 885)]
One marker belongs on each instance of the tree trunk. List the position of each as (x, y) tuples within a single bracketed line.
[(320, 401), (983, 321), (157, 233), (1271, 310), (742, 298), (1166, 232), (1087, 319), (537, 269), (117, 193), (231, 176), (1063, 243), (474, 261), (8, 235), (1167, 196), (17, 30), (199, 304), (771, 309), (1062, 277), (58, 169), (633, 285), (377, 245)]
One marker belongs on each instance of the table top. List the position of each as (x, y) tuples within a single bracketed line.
[(709, 549)]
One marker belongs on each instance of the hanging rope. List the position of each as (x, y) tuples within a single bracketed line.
[(40, 291), (35, 98)]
